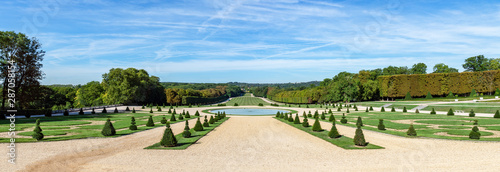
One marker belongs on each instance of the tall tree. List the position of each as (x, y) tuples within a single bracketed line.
[(89, 94), (476, 63), (442, 68), (419, 68)]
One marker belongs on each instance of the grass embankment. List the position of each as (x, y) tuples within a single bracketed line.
[(246, 101), (183, 143)]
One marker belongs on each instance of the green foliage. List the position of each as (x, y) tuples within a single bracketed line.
[(471, 113), (359, 122), (347, 110), (186, 133), (38, 135), (497, 114), (334, 133), (393, 109), (93, 111), (381, 125), (168, 139), (331, 118), (104, 110), (143, 107), (429, 95), (297, 120), (316, 126), (181, 117), (305, 123), (66, 113), (433, 112), (187, 115), (359, 137), (411, 131), (151, 110), (371, 108), (338, 109), (198, 126), (473, 93), (290, 118), (158, 109), (408, 96), (212, 120), (497, 92), (174, 112), (316, 114), (330, 111), (474, 134), (197, 113), (150, 122), (323, 116), (450, 95), (172, 118), (163, 120), (416, 111), (450, 112), (476, 64), (278, 114), (108, 129), (285, 117), (382, 109), (133, 110), (404, 109), (343, 120), (81, 112), (132, 124), (235, 104), (309, 114), (116, 110)]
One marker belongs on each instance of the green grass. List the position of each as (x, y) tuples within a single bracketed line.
[(466, 107), (208, 111), (445, 99), (184, 143), (343, 142), (246, 101)]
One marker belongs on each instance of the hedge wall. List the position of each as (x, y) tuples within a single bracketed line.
[(200, 100), (439, 84)]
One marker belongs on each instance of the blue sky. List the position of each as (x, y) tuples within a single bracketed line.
[(265, 41)]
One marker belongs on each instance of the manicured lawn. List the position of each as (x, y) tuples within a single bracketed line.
[(246, 100), (183, 143)]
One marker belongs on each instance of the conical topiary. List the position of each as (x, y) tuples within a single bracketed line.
[(158, 109), (371, 108), (330, 111), (323, 116), (450, 112), (150, 122), (197, 113), (211, 121), (290, 118), (198, 126), (187, 115), (416, 111), (497, 114), (278, 114), (116, 110), (429, 95), (473, 93), (382, 109), (359, 121), (297, 120), (127, 109), (133, 110), (93, 111), (108, 129), (205, 123), (347, 110), (404, 109), (186, 133), (132, 124), (174, 113), (338, 109), (474, 134), (151, 110), (309, 114), (471, 113), (343, 120), (411, 131), (285, 117), (367, 109), (393, 109), (334, 133), (316, 126), (66, 112), (359, 137), (408, 96), (381, 125), (305, 123), (143, 107), (331, 118), (168, 139), (37, 132), (104, 110), (316, 115), (163, 120), (433, 112), (181, 117), (81, 112)]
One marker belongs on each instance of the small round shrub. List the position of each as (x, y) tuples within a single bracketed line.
[(343, 120), (474, 134), (235, 104)]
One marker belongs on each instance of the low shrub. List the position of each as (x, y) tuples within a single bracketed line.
[(433, 112), (404, 109), (150, 122), (343, 120), (133, 110), (127, 109), (163, 120), (371, 108), (116, 110), (198, 126), (235, 104), (359, 122), (474, 134), (132, 124), (382, 109), (411, 131), (297, 120), (471, 113), (104, 110), (316, 126), (66, 113), (331, 118), (305, 123), (205, 123), (381, 125), (359, 137), (260, 104), (416, 111), (334, 133), (212, 120), (168, 139), (38, 135), (450, 112), (393, 109), (108, 129), (186, 133), (497, 114), (81, 112)]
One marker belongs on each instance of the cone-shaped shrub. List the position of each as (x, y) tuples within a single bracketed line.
[(450, 95), (151, 110), (330, 111), (450, 112), (416, 111), (371, 108), (150, 122), (163, 120), (473, 93), (393, 109), (108, 129), (278, 114), (338, 109), (159, 109), (497, 115), (381, 125), (316, 115), (404, 109), (104, 110), (297, 120), (305, 123), (197, 113), (133, 110), (81, 112), (169, 110), (334, 133), (497, 92), (116, 110), (382, 109), (359, 137), (205, 123), (174, 113), (224, 114), (475, 122), (168, 139), (181, 117), (132, 124), (198, 126), (359, 121), (316, 126), (187, 115), (211, 121), (367, 109), (172, 118), (186, 133), (471, 113), (355, 108), (127, 109), (93, 111), (429, 95), (143, 107), (66, 112), (323, 117), (307, 106), (290, 118), (474, 134), (304, 114), (38, 135), (343, 120), (433, 112), (347, 110), (331, 118), (309, 114), (408, 96), (411, 131), (285, 117)]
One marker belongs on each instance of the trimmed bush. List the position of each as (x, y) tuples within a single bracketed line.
[(211, 121), (38, 135), (408, 96), (343, 120), (186, 133), (235, 104), (316, 126), (104, 110), (347, 110), (334, 133), (285, 117), (433, 112), (151, 110), (473, 93), (474, 134), (338, 109), (371, 108), (316, 114), (143, 107), (450, 95), (197, 113), (382, 109), (297, 120), (181, 117), (416, 111), (278, 114), (381, 125), (66, 113), (168, 139), (198, 126), (127, 109), (172, 118), (359, 122), (93, 111), (450, 112), (290, 118), (169, 111), (174, 113), (305, 123), (116, 110), (132, 124), (108, 129), (411, 131), (150, 122), (159, 109), (359, 137), (205, 123), (475, 122), (304, 114), (393, 109), (81, 112), (133, 110), (367, 110), (282, 115), (330, 111), (331, 118), (429, 95), (323, 117), (404, 109), (497, 115), (187, 115), (309, 114), (471, 113), (163, 120)]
